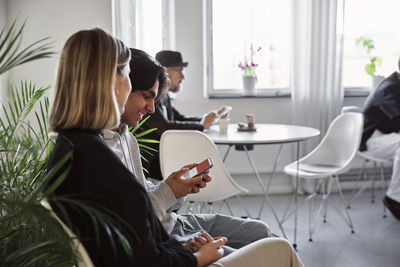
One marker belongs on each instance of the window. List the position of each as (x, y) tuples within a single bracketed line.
[(149, 19), (239, 30), (376, 20), (145, 24)]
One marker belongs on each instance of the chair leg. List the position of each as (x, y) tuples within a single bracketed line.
[(355, 194), (210, 209), (325, 193), (311, 206), (228, 207), (190, 208), (313, 222), (373, 184), (350, 223), (243, 206), (383, 187)]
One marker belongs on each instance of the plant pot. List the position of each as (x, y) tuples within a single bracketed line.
[(376, 79), (249, 84)]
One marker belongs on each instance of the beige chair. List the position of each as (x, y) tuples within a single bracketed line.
[(332, 156), (82, 255), (182, 147)]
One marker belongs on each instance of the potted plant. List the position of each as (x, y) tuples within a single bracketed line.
[(374, 61), (248, 67)]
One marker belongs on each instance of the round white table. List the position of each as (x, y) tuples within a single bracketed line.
[(265, 134)]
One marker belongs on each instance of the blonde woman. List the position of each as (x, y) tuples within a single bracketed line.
[(92, 88)]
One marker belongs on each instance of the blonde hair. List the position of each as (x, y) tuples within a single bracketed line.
[(84, 93)]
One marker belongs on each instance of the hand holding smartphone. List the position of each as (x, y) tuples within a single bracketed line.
[(226, 110), (199, 169)]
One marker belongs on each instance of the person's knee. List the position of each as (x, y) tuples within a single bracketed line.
[(261, 228), (282, 244), (278, 246)]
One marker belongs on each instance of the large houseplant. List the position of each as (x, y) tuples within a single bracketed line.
[(29, 234)]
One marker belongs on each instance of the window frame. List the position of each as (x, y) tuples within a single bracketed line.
[(208, 67)]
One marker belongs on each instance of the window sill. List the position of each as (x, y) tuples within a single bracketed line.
[(356, 91), (275, 93), (260, 93)]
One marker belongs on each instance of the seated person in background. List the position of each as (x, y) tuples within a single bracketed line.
[(166, 116), (149, 77), (381, 135), (91, 90)]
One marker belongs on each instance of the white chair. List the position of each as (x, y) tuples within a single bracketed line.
[(182, 147), (82, 255), (333, 156), (364, 175), (368, 158)]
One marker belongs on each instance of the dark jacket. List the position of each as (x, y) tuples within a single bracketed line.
[(165, 117), (382, 109), (98, 175)]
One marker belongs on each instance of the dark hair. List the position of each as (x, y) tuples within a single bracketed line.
[(145, 70)]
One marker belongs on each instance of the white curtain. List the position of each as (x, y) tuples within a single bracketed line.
[(317, 92), (148, 33), (124, 21)]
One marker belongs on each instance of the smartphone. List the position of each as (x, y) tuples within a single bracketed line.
[(198, 169), (224, 111)]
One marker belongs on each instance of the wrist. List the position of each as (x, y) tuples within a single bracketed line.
[(200, 259)]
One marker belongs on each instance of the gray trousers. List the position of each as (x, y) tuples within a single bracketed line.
[(239, 232)]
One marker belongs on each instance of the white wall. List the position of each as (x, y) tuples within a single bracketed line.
[(59, 19)]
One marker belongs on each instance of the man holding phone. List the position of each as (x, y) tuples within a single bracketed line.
[(168, 195), (199, 169)]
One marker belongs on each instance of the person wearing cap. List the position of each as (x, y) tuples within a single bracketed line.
[(166, 116)]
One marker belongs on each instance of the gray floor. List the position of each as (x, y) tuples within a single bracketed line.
[(376, 241)]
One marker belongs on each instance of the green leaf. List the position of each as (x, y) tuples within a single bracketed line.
[(144, 140), (145, 132), (57, 167), (10, 56), (147, 147), (139, 125), (370, 69)]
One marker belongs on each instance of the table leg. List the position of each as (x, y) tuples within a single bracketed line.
[(295, 194), (226, 153), (264, 191), (270, 178), (237, 196)]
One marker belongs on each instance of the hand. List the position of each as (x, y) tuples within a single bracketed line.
[(182, 187), (209, 119), (206, 179), (196, 243), (199, 241), (211, 251), (220, 111)]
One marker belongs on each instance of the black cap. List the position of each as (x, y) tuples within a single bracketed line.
[(169, 58)]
